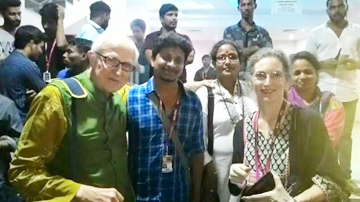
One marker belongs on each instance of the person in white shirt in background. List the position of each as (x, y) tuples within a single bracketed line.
[(11, 13), (336, 43), (99, 21)]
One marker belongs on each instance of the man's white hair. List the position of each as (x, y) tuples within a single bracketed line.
[(112, 39)]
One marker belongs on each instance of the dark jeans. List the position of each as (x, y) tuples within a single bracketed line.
[(345, 145)]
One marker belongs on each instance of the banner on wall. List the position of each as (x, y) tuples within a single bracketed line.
[(286, 7)]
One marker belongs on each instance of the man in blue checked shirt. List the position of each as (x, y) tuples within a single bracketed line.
[(156, 169)]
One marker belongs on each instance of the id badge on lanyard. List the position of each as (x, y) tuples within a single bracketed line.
[(46, 74), (167, 160)]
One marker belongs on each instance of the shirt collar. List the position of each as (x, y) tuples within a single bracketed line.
[(94, 24), (162, 30), (255, 27), (150, 88)]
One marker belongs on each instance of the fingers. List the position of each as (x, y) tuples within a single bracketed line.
[(209, 83), (238, 174), (118, 196), (259, 197)]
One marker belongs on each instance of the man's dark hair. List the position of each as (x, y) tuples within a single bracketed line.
[(49, 11), (216, 47), (171, 39), (99, 8), (241, 0), (27, 33), (166, 8), (83, 45), (205, 56), (139, 23), (308, 57), (4, 4), (328, 1)]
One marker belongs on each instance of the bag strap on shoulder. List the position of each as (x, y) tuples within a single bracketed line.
[(210, 126), (76, 91), (74, 87), (175, 139)]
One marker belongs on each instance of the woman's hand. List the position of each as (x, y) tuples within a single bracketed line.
[(238, 174), (278, 194)]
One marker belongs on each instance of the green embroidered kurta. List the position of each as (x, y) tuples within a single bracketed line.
[(42, 168)]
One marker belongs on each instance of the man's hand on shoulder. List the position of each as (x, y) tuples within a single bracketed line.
[(90, 194)]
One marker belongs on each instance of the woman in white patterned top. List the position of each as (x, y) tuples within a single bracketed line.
[(289, 142)]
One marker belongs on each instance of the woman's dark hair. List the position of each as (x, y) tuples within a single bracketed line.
[(27, 33), (266, 53), (171, 39), (139, 23), (216, 47), (99, 8), (49, 11), (308, 57), (166, 8)]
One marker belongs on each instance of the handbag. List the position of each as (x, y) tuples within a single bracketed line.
[(209, 181), (264, 184)]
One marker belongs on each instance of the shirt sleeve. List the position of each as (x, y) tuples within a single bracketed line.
[(311, 45), (335, 121), (198, 131), (320, 155), (38, 145), (227, 35), (15, 123), (33, 78), (149, 43), (267, 41)]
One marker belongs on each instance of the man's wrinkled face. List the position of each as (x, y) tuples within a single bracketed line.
[(169, 20), (107, 77), (337, 10), (12, 16), (247, 8)]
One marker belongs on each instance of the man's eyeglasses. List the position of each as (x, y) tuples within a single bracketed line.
[(275, 75), (232, 57), (114, 62)]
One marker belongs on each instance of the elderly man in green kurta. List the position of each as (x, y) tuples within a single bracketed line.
[(73, 146)]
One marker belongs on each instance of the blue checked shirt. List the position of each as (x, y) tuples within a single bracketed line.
[(147, 145), (18, 74)]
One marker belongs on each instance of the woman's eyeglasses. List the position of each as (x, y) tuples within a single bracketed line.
[(275, 75), (114, 62), (232, 58)]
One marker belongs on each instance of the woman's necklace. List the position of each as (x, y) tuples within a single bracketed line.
[(234, 116)]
